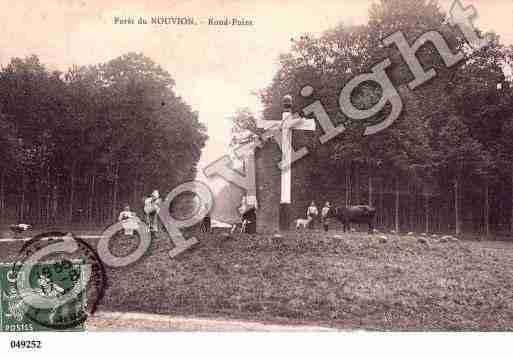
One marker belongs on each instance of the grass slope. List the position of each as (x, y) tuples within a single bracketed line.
[(351, 282)]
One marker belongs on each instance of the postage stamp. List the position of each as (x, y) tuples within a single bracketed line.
[(56, 281), (49, 279)]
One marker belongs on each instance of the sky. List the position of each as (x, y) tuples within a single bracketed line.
[(216, 68)]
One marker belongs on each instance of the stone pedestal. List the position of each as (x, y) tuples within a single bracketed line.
[(268, 191), (285, 216)]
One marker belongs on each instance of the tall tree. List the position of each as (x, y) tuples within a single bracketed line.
[(99, 130), (417, 144)]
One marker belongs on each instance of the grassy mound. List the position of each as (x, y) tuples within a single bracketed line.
[(350, 281)]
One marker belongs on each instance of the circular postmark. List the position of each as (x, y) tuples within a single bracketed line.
[(60, 279)]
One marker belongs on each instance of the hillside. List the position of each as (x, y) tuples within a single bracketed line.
[(351, 282)]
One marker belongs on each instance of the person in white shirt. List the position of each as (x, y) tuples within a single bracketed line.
[(325, 216), (312, 212), (127, 219), (248, 216), (152, 208)]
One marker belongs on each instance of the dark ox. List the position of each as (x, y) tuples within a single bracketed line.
[(354, 214)]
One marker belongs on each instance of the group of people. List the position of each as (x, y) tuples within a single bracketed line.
[(312, 214), (247, 211), (152, 205)]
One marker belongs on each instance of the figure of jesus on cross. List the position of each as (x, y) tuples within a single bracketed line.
[(282, 133)]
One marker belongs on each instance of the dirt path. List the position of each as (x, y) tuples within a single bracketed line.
[(112, 321)]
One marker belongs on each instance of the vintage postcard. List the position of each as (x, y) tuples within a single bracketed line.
[(239, 166)]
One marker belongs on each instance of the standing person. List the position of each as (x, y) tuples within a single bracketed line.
[(325, 216), (312, 212), (152, 208), (248, 216), (243, 210)]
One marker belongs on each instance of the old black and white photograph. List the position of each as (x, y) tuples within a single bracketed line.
[(314, 169)]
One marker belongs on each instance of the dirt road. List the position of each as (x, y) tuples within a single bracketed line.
[(112, 321)]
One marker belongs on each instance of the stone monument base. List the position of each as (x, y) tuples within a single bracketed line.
[(285, 216)]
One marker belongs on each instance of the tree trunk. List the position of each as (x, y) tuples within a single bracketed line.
[(71, 193), (397, 205), (411, 207), (39, 209), (21, 214), (115, 193), (370, 185), (511, 218), (55, 202), (426, 211), (356, 172), (382, 203), (49, 188), (348, 184), (135, 194), (487, 209), (2, 194), (457, 206), (135, 200), (91, 200)]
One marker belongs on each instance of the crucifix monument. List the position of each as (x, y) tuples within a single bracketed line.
[(282, 132)]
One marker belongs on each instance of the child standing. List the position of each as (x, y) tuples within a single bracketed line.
[(325, 216), (312, 212)]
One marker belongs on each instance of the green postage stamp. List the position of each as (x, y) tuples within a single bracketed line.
[(47, 280)]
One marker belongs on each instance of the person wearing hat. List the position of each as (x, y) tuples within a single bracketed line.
[(248, 216), (325, 216), (152, 208)]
